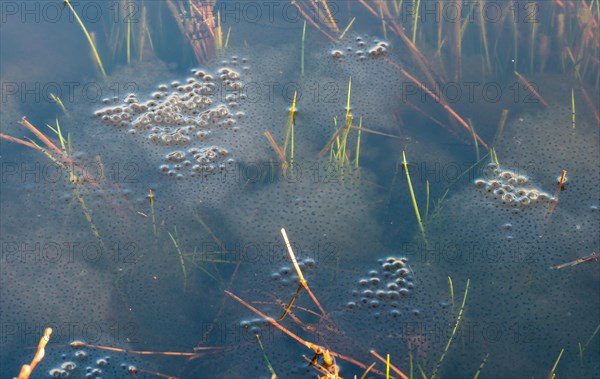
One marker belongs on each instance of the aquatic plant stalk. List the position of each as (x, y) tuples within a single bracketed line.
[(474, 139), (458, 318), (269, 366), (364, 375), (552, 373), (484, 37), (89, 38), (181, 261), (582, 348), (439, 100), (312, 346), (573, 107), (476, 376), (80, 344), (415, 23), (501, 124), (531, 89), (26, 370), (394, 368), (347, 28), (302, 53), (303, 282), (414, 200), (309, 19)]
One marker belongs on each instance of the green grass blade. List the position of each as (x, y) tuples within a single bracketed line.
[(302, 50), (458, 319), (181, 261), (347, 28), (89, 38), (271, 370), (414, 200)]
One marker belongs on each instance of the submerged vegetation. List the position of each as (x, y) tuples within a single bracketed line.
[(521, 43)]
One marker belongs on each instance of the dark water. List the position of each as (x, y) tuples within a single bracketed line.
[(99, 262)]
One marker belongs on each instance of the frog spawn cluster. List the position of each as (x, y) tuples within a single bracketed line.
[(82, 365), (362, 51), (385, 287), (184, 114), (509, 188)]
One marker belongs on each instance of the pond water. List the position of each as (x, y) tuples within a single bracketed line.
[(435, 165)]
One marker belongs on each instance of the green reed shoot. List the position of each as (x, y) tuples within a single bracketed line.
[(458, 319), (451, 291), (515, 38), (387, 366), (583, 347), (414, 200), (89, 38), (358, 143), (427, 200), (474, 134), (152, 213), (129, 40), (289, 133), (262, 349), (552, 373), (486, 48), (346, 29), (175, 239), (415, 22), (59, 102), (383, 26), (302, 49), (476, 376)]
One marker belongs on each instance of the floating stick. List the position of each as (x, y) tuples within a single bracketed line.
[(318, 349), (589, 258), (119, 350)]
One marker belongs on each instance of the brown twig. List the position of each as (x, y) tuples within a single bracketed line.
[(531, 89), (316, 348), (440, 101)]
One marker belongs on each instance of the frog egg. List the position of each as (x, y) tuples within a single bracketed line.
[(524, 201), (403, 272), (543, 196), (479, 183), (499, 192), (337, 54), (508, 198), (533, 195), (506, 175), (521, 192)]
